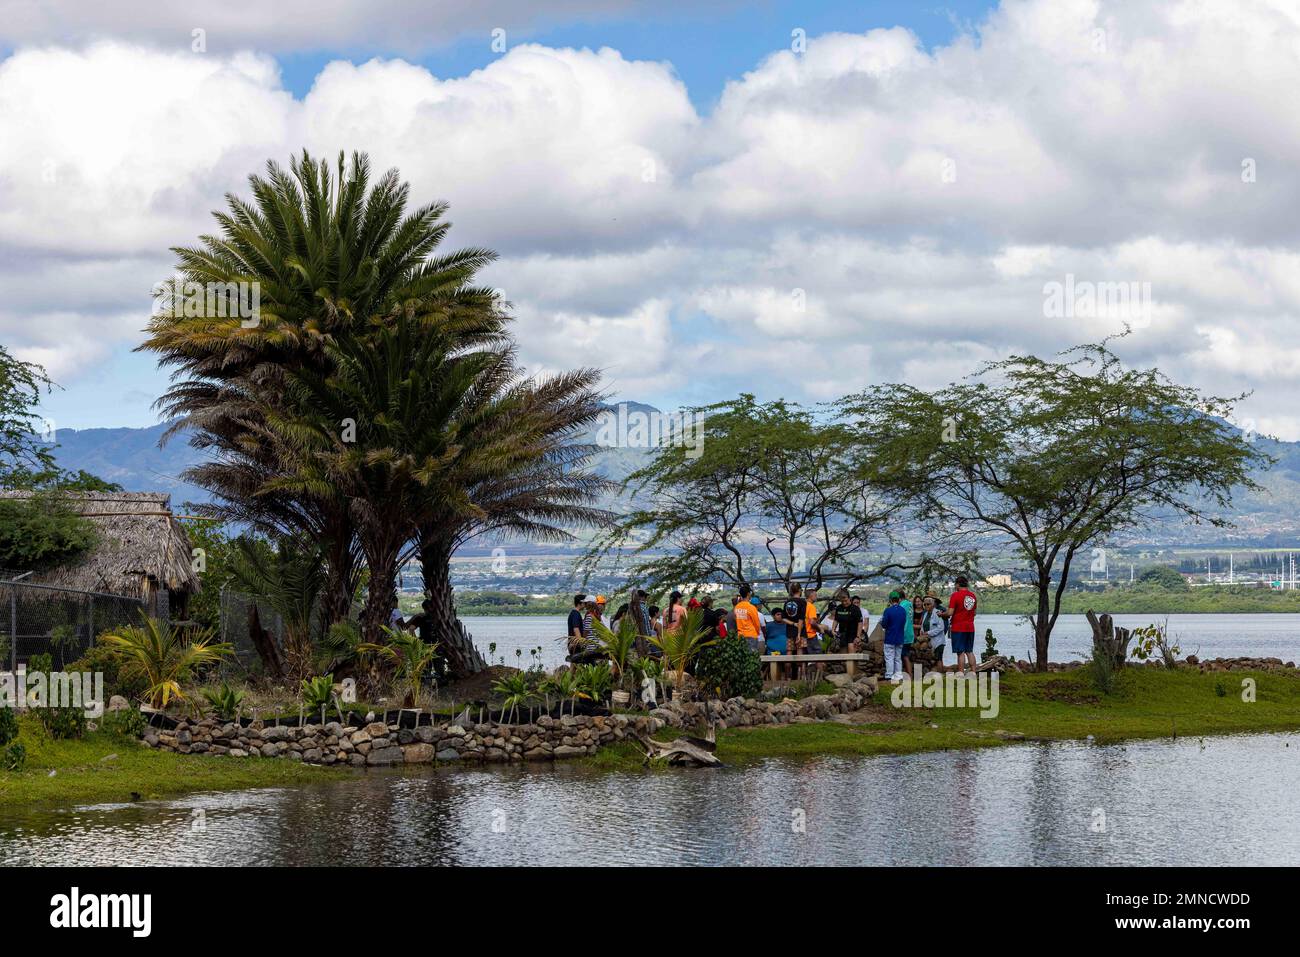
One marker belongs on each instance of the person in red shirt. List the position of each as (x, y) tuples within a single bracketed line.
[(961, 609)]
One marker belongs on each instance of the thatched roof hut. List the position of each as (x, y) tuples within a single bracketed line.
[(143, 551)]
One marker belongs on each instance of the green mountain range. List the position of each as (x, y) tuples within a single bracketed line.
[(133, 459)]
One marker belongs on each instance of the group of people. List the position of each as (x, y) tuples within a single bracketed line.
[(793, 625)]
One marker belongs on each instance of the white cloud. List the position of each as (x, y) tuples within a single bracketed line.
[(920, 199)]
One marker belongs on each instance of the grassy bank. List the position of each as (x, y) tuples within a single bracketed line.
[(1148, 703), (102, 767)]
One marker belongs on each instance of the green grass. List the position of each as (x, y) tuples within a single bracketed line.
[(84, 772), (1148, 703)]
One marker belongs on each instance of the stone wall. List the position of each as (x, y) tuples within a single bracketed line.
[(546, 739)]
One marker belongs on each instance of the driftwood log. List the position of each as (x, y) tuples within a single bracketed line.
[(686, 750), (1110, 640)]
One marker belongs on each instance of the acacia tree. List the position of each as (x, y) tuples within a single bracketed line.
[(1053, 457), (772, 489), (40, 528)]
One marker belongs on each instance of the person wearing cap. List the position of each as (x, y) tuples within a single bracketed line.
[(586, 649), (893, 622), (600, 608)]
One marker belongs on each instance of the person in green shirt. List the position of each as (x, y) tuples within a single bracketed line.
[(909, 634)]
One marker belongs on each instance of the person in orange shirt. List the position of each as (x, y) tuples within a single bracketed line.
[(812, 623), (749, 623)]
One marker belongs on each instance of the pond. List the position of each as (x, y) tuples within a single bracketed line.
[(1211, 801), (1209, 636)]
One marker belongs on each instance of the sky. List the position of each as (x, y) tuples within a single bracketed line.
[(792, 199)]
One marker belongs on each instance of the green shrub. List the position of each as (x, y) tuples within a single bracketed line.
[(1101, 670), (8, 726), (13, 756), (104, 660), (317, 693), (225, 701), (729, 669), (63, 723), (41, 663), (127, 723)]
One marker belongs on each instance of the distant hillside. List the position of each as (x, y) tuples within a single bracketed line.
[(132, 458)]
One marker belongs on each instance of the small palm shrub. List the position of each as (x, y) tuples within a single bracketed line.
[(594, 682), (515, 690), (317, 693), (163, 657), (411, 659), (225, 701), (105, 660), (729, 668), (682, 644)]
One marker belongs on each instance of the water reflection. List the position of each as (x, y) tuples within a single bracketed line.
[(1221, 801)]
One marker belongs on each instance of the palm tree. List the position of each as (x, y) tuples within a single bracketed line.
[(163, 657), (618, 645), (288, 576), (329, 254), (680, 645), (411, 657)]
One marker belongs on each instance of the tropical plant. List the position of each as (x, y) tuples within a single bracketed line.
[(288, 576), (593, 681), (317, 693), (680, 645), (618, 645), (411, 657), (990, 646), (515, 690), (225, 700), (340, 647), (102, 658), (564, 686), (163, 657)]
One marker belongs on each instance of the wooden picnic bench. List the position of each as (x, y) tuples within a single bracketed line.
[(850, 661)]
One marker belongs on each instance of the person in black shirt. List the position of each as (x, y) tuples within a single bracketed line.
[(848, 621), (574, 631)]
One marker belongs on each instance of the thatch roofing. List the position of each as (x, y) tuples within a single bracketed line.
[(142, 547)]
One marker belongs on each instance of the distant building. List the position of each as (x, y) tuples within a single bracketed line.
[(996, 581)]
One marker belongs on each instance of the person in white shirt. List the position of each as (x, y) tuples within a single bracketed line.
[(933, 625)]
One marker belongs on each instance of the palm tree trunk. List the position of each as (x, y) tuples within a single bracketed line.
[(435, 564)]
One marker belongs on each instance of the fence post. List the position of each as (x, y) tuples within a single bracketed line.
[(13, 630), (91, 621)]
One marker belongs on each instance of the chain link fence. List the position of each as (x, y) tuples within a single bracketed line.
[(60, 622)]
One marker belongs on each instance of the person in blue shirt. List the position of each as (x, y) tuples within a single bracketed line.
[(894, 622), (775, 636)]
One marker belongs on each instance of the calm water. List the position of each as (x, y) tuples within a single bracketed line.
[(1189, 802), (1210, 636)]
